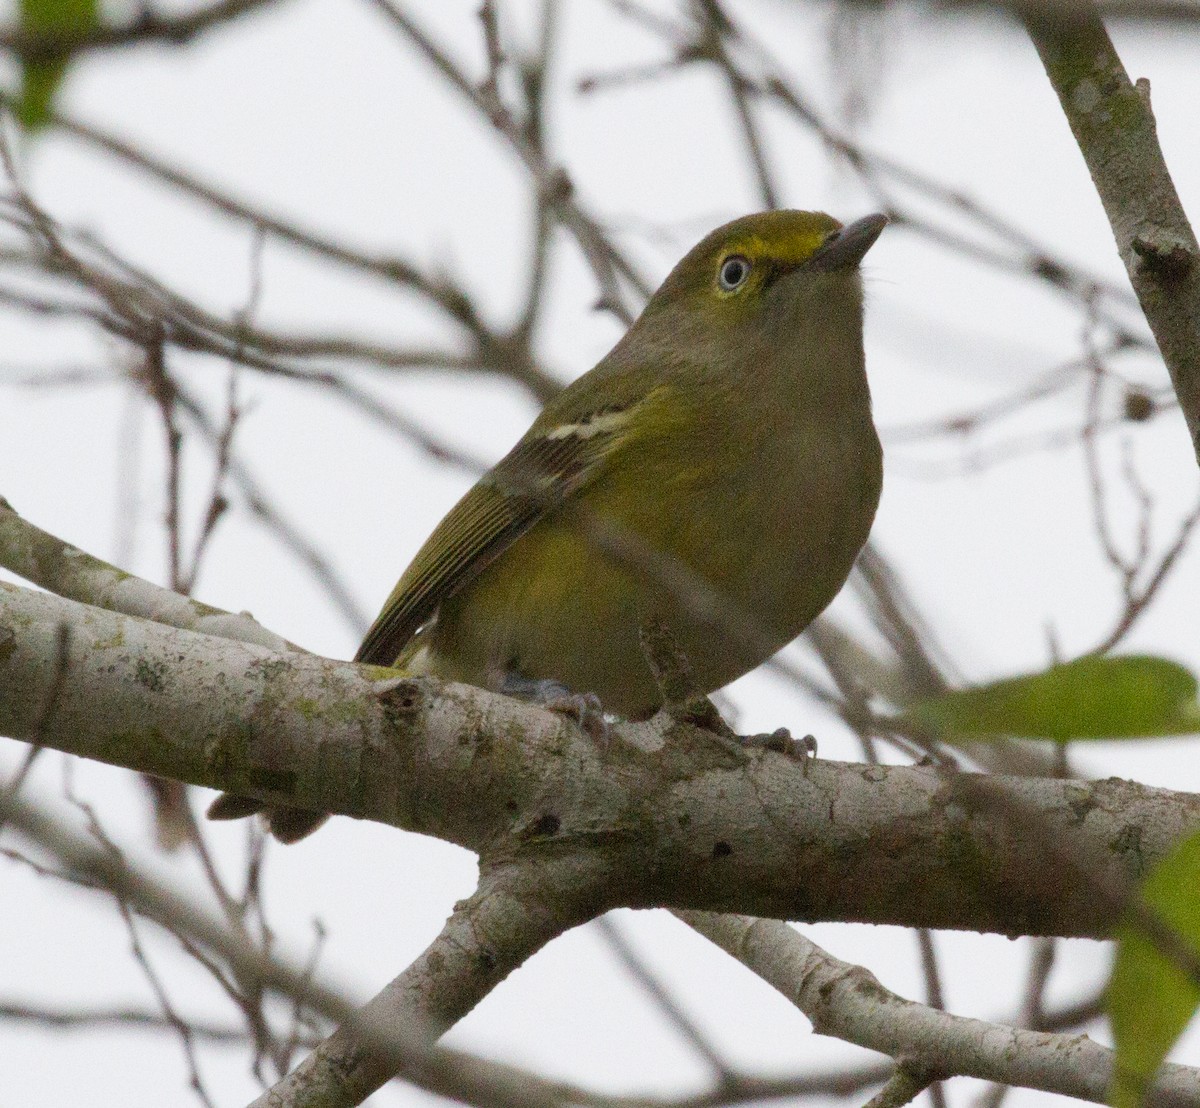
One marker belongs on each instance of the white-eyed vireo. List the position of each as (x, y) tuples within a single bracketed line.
[(728, 436)]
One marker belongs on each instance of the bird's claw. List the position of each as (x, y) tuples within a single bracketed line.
[(586, 710)]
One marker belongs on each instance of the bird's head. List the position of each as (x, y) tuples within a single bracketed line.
[(780, 268)]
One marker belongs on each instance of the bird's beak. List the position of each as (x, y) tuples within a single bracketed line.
[(844, 249)]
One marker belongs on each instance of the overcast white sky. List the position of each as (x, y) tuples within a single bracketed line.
[(315, 109)]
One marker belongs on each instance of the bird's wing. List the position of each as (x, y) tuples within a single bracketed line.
[(550, 463)]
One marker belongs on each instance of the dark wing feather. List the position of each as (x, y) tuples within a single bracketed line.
[(535, 476)]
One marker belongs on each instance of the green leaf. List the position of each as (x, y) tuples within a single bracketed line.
[(41, 77), (39, 82), (1093, 697), (1150, 999)]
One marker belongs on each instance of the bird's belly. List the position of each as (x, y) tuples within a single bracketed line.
[(730, 590)]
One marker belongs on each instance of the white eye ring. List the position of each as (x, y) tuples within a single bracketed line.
[(733, 273)]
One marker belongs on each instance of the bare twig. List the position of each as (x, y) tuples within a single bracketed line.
[(82, 1018), (146, 26), (710, 46), (399, 1041), (666, 1003), (609, 266), (181, 1027), (910, 1083), (493, 350)]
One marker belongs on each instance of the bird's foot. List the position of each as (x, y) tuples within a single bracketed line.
[(584, 708)]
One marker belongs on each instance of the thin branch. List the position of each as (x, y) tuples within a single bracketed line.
[(848, 1002), (152, 374), (80, 1018), (285, 531), (404, 1042), (493, 350), (147, 26), (609, 266), (1139, 602), (55, 564), (666, 1003), (910, 1082), (711, 47), (181, 1027)]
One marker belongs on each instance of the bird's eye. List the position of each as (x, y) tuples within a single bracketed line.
[(733, 273)]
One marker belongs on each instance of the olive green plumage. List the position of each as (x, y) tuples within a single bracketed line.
[(728, 433), (730, 429)]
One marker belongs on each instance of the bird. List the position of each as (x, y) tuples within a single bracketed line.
[(718, 469)]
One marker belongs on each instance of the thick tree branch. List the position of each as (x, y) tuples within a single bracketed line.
[(1114, 126), (681, 818)]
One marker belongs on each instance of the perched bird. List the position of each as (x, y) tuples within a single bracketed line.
[(720, 459)]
